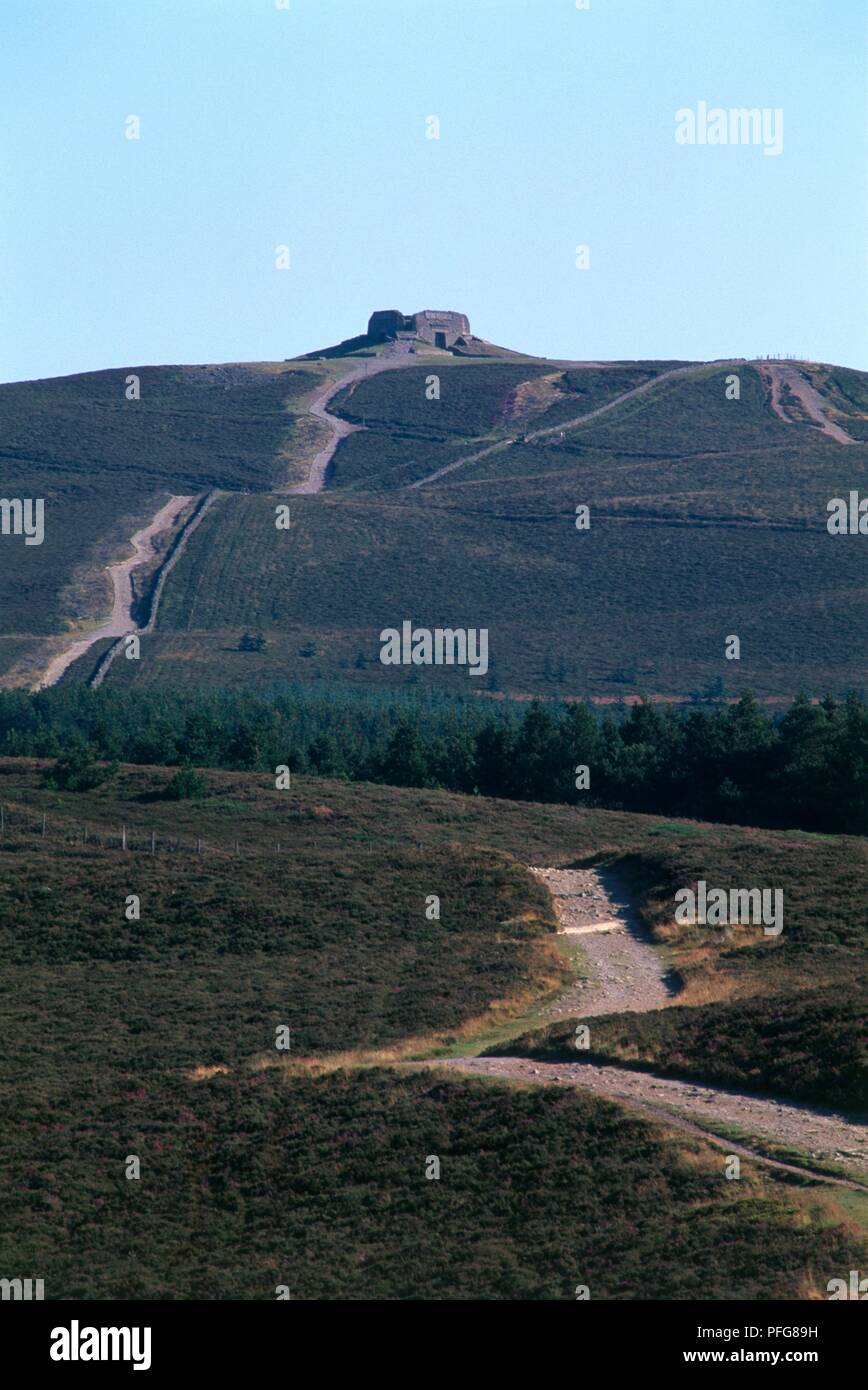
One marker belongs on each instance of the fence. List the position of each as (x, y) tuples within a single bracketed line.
[(23, 825)]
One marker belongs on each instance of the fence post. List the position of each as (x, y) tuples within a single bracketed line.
[(153, 842), (44, 818), (124, 838)]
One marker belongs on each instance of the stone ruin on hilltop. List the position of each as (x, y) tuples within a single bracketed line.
[(440, 328)]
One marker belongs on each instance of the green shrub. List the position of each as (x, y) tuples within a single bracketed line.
[(186, 785)]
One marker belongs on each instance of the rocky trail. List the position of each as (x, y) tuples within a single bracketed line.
[(625, 973), (822, 1135)]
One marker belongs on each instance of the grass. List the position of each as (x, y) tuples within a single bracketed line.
[(780, 1014), (494, 1034), (473, 397), (813, 1163), (334, 941), (708, 518), (103, 464), (262, 1179), (155, 1038), (808, 1046), (553, 601)]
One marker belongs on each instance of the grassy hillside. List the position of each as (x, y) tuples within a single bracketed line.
[(708, 518), (104, 463), (338, 913), (321, 933), (847, 392), (254, 1180), (409, 432), (782, 1014), (632, 604), (809, 1046), (825, 931), (155, 1038)]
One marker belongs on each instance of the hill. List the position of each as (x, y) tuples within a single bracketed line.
[(104, 463), (451, 500), (307, 1167), (327, 883)]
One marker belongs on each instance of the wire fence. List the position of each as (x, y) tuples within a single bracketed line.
[(20, 827)]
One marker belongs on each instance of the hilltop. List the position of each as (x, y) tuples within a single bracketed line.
[(433, 477)]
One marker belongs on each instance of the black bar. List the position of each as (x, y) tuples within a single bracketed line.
[(225, 1338)]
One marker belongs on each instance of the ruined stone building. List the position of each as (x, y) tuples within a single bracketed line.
[(439, 327)]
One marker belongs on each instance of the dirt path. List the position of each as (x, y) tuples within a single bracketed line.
[(628, 975), (121, 621), (396, 355), (778, 376), (563, 425)]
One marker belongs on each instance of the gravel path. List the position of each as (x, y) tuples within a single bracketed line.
[(628, 975), (819, 1134)]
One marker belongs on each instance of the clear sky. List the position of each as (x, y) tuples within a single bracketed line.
[(306, 127)]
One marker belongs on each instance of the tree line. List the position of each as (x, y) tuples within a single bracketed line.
[(805, 768)]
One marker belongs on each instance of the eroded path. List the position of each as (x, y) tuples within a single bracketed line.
[(626, 974), (121, 620), (779, 376)]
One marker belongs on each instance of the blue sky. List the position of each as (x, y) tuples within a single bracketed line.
[(306, 127)]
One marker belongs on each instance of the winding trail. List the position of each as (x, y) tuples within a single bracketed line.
[(532, 436), (824, 1135), (396, 355), (627, 974), (121, 621)]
